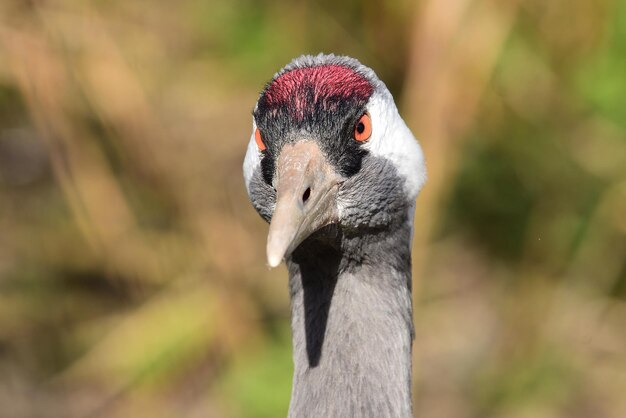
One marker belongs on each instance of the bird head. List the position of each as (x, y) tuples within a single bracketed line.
[(328, 147)]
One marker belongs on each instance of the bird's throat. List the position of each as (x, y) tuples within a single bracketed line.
[(352, 328)]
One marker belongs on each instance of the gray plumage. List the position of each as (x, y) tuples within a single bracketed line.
[(349, 280)]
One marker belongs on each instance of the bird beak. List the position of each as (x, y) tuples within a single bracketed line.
[(306, 191)]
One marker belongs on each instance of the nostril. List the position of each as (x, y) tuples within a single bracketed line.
[(306, 195)]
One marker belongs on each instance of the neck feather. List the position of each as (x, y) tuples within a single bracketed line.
[(352, 326)]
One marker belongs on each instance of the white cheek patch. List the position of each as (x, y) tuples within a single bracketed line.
[(392, 139), (252, 159)]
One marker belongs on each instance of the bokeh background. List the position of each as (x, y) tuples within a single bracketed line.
[(132, 274)]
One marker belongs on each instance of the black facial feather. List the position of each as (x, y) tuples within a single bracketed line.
[(332, 128)]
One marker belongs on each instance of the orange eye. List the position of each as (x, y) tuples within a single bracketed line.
[(363, 128), (259, 140)]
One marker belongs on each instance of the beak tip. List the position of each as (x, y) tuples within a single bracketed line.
[(273, 260), (279, 239)]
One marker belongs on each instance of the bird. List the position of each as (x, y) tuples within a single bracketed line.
[(335, 171)]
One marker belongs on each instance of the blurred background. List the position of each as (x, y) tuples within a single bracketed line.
[(133, 281)]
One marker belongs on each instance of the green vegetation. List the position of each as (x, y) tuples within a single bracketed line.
[(133, 281)]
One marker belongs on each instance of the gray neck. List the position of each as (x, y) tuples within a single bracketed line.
[(352, 326)]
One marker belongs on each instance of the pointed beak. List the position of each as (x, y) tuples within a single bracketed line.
[(306, 192)]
